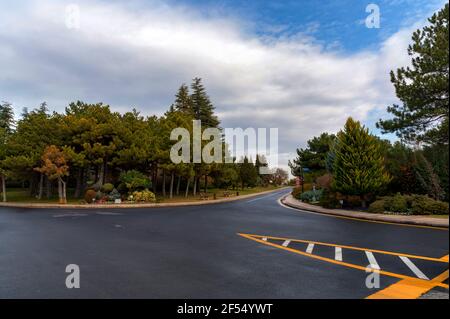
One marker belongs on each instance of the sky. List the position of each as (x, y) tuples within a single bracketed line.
[(300, 66)]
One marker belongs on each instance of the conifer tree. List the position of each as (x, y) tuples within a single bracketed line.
[(202, 107), (359, 163)]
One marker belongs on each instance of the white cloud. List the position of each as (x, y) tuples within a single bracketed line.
[(127, 57)]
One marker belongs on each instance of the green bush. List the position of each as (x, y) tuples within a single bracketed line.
[(398, 204), (310, 195), (424, 205), (90, 195), (107, 188), (377, 207), (134, 180), (328, 199), (113, 195), (405, 204), (144, 196)]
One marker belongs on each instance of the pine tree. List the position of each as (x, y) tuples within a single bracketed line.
[(423, 87), (183, 102), (202, 107), (6, 117), (359, 163)]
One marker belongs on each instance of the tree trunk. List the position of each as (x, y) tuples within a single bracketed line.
[(60, 190), (363, 201), (172, 177), (194, 191), (41, 186), (4, 188), (79, 183), (164, 183), (206, 183), (178, 185), (187, 187), (48, 188)]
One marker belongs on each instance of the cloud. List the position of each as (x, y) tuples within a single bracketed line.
[(133, 56)]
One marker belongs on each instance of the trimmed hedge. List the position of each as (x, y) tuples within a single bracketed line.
[(410, 205)]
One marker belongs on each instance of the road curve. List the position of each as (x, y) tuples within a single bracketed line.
[(196, 252)]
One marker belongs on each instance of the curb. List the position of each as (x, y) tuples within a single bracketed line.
[(156, 205), (393, 219)]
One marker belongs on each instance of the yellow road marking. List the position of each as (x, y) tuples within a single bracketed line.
[(406, 289), (360, 219), (445, 258), (356, 248), (337, 262)]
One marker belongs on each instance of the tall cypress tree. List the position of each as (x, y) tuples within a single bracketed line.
[(6, 117), (359, 163), (202, 107)]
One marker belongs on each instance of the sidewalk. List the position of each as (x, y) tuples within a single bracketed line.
[(127, 205), (290, 201)]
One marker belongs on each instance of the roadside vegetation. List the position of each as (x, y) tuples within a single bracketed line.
[(355, 168), (91, 154)]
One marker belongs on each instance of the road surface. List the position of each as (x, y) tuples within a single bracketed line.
[(197, 252)]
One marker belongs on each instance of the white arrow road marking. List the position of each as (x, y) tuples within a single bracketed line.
[(414, 268), (372, 260), (310, 248), (338, 254)]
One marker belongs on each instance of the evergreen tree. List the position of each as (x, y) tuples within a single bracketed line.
[(423, 87), (6, 117), (359, 162), (247, 173), (183, 102), (202, 107)]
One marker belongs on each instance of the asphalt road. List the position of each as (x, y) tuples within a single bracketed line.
[(196, 252)]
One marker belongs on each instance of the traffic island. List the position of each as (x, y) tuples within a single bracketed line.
[(427, 221)]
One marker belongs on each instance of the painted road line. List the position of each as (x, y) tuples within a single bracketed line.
[(70, 215), (338, 253), (411, 279), (262, 197), (310, 248), (372, 261), (441, 260), (409, 289), (413, 268), (286, 243), (264, 238)]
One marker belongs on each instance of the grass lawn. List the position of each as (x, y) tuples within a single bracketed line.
[(21, 195)]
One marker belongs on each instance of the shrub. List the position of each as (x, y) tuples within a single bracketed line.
[(134, 180), (144, 196), (113, 195), (328, 199), (424, 205), (398, 204), (90, 195), (414, 204), (324, 181), (309, 196), (107, 188), (377, 207), (296, 191)]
